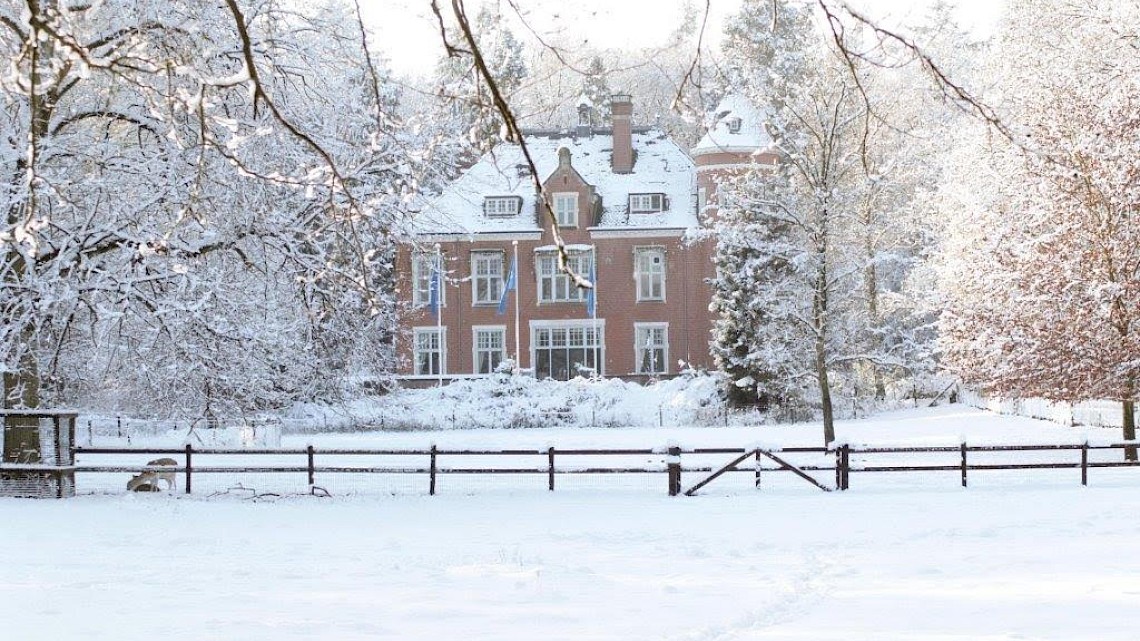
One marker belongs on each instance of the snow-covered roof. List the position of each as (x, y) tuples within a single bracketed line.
[(661, 167), (735, 125)]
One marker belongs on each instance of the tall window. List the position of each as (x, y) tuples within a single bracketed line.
[(429, 354), (649, 271), (423, 266), (490, 348), (486, 277), (651, 341), (565, 351), (566, 209), (554, 285)]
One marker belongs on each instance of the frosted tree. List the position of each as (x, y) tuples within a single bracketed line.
[(1053, 215), (815, 255), (801, 267), (192, 187), (769, 46)]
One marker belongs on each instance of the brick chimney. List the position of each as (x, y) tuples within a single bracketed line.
[(621, 110)]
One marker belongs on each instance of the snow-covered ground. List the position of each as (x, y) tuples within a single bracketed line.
[(1028, 556)]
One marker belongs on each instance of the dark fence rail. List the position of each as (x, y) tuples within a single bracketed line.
[(841, 461)]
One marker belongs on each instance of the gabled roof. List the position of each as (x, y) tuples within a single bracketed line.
[(751, 135), (661, 167)]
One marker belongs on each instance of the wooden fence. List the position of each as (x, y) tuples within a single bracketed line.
[(841, 462)]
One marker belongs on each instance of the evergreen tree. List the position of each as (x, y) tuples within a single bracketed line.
[(596, 90), (468, 102), (768, 46)]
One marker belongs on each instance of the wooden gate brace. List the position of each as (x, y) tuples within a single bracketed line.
[(757, 453)]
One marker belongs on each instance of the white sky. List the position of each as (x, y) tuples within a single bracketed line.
[(407, 32)]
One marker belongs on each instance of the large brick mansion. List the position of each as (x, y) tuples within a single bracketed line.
[(628, 202)]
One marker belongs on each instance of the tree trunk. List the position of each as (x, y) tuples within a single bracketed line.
[(22, 387), (871, 281), (1129, 407), (819, 321), (824, 393)]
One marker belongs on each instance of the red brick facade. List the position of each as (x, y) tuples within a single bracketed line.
[(685, 308)]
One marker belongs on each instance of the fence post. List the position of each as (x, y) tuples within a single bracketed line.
[(757, 468), (674, 468), (189, 454), (431, 471), (846, 467), (312, 468), (963, 464), (1085, 463), (838, 468), (550, 473)]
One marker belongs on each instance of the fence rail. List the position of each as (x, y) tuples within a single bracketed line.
[(842, 461)]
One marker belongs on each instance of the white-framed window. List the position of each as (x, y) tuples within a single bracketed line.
[(555, 285), (651, 347), (566, 209), (702, 199), (733, 125), (646, 203), (501, 206), (565, 349), (423, 266), (649, 272), (430, 350), (486, 277), (489, 347)]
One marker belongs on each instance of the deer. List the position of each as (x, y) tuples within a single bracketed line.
[(147, 480)]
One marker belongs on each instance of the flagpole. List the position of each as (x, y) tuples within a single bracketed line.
[(518, 295), (594, 316), (439, 312)]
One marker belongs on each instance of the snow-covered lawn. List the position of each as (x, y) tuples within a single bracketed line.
[(950, 564), (1039, 558)]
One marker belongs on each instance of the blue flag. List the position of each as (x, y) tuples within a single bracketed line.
[(512, 283), (434, 289), (592, 293)]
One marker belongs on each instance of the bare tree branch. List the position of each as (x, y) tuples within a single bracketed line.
[(679, 99), (836, 10)]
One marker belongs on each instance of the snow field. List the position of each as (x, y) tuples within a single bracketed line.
[(1009, 563)]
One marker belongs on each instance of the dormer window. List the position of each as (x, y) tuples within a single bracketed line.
[(523, 170), (501, 206), (733, 125), (647, 203)]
